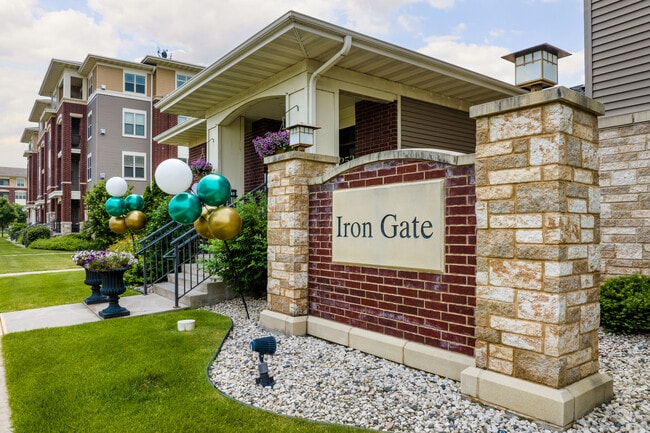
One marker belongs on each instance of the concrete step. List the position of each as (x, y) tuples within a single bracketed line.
[(207, 293)]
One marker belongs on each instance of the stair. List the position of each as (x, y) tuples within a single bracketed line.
[(208, 292)]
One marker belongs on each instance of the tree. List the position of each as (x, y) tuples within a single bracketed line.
[(96, 227), (21, 215), (7, 214)]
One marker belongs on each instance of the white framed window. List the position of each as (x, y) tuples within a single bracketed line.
[(135, 83), (90, 85), (182, 79), (89, 128), (20, 181), (20, 195), (134, 123), (133, 165), (89, 167)]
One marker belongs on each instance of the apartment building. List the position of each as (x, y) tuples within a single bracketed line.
[(97, 120), (13, 185), (617, 73)]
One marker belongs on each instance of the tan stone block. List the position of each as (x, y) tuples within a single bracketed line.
[(547, 149), (533, 329), (561, 339), (558, 269), (541, 307), (516, 124), (500, 365), (481, 215), (515, 273), (495, 243), (486, 334), (502, 294), (589, 317), (480, 354), (539, 252), (540, 368), (503, 309), (518, 341), (556, 172), (501, 352), (558, 118), (515, 175), (578, 358), (586, 177), (493, 149), (501, 207), (539, 197), (500, 192), (529, 236), (590, 158)]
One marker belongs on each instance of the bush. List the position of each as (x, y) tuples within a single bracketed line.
[(245, 269), (625, 304), (72, 242), (15, 229), (35, 232)]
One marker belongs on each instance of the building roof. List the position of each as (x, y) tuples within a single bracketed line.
[(40, 105), (295, 37), (13, 172), (92, 60), (171, 64), (53, 75)]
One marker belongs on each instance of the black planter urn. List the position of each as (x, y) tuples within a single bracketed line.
[(113, 287)]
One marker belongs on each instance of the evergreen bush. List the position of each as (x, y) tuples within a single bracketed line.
[(245, 267), (71, 242), (625, 304), (15, 229), (35, 232)]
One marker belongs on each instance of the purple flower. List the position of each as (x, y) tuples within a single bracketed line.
[(200, 167), (104, 260), (271, 142)]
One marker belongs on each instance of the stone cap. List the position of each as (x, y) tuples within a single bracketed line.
[(527, 100)]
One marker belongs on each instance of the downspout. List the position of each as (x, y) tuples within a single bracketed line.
[(347, 44)]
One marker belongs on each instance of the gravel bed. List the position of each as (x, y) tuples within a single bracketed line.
[(326, 382)]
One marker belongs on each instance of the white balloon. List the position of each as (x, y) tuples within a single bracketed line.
[(116, 186), (173, 176)]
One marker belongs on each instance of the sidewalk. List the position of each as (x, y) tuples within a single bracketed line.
[(66, 315)]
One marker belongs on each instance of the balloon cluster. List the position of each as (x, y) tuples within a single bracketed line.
[(203, 205), (126, 212)]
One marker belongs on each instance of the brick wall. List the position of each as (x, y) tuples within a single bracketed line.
[(625, 199), (428, 308), (162, 122), (254, 167), (376, 127)]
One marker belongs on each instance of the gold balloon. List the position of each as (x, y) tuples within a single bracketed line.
[(201, 224), (224, 223), (117, 225), (135, 220)]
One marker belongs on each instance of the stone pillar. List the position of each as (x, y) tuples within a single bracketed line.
[(288, 238), (538, 259)]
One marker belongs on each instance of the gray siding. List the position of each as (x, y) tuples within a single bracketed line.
[(618, 54), (426, 125)]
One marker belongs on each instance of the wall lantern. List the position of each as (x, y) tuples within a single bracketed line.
[(301, 136), (536, 67)]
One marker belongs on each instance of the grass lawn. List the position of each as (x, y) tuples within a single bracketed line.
[(44, 290), (14, 258), (137, 374)]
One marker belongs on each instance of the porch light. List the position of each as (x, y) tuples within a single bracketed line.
[(301, 136), (536, 67)]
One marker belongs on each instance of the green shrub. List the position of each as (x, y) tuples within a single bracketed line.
[(15, 229), (72, 242), (35, 232), (625, 304), (246, 268)]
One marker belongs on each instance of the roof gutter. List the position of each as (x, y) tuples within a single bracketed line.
[(347, 44)]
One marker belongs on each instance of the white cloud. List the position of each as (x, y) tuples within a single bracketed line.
[(485, 59)]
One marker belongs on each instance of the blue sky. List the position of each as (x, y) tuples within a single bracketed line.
[(470, 33)]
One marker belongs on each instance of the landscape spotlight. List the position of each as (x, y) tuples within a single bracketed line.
[(264, 346)]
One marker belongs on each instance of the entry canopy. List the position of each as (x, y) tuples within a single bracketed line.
[(295, 37)]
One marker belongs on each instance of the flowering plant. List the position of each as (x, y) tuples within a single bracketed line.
[(81, 258), (271, 142), (104, 260), (200, 167)]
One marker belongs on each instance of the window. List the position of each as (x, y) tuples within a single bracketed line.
[(89, 167), (134, 83), (20, 181), (4, 194), (133, 164), (4, 182), (134, 123), (182, 79), (89, 129), (21, 195), (90, 85)]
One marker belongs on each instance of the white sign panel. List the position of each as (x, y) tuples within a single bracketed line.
[(396, 226)]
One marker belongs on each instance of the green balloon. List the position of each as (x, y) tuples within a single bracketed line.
[(134, 202), (213, 190), (184, 208), (115, 206)]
